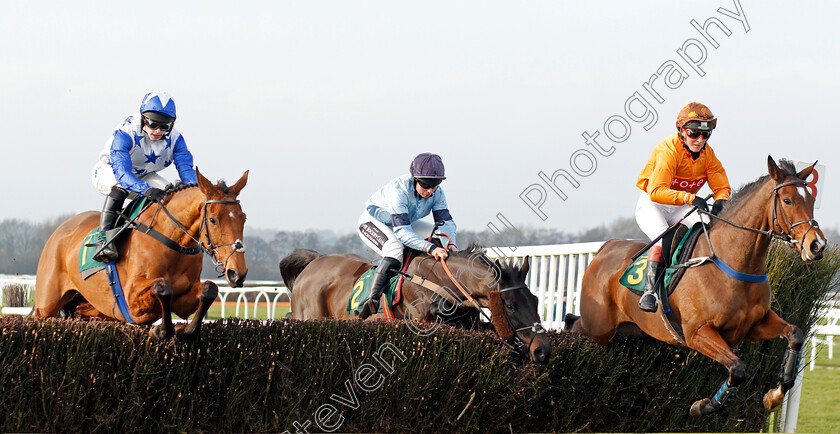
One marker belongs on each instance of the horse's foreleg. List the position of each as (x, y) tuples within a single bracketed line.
[(709, 342), (207, 293), (163, 291), (772, 326)]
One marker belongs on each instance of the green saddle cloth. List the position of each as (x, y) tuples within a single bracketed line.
[(634, 276), (361, 292), (88, 265)]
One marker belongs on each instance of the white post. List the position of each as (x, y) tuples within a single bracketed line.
[(790, 406)]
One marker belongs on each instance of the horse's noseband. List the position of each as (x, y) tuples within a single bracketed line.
[(537, 326), (210, 249), (788, 236)]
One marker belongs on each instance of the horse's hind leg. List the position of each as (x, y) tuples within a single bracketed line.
[(709, 342), (163, 291), (206, 295), (69, 309), (771, 327)]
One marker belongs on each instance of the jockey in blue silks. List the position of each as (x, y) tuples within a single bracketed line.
[(142, 145), (386, 223)]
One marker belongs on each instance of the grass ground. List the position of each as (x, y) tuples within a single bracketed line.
[(819, 410)]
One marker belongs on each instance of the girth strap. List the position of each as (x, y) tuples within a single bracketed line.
[(434, 287), (166, 241), (116, 289)]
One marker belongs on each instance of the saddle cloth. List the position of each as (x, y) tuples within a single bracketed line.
[(89, 266), (634, 276), (361, 292), (393, 294)]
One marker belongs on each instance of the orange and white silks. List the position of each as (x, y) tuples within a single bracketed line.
[(672, 177)]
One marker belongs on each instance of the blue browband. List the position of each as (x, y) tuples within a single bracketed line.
[(737, 275)]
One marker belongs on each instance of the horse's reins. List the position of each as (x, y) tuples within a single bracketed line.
[(784, 236), (536, 327), (210, 249)]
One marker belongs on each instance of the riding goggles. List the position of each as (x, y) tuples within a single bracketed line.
[(165, 126), (697, 133), (429, 183)]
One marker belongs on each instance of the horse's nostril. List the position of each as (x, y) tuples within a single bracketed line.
[(540, 355), (817, 247), (232, 277)]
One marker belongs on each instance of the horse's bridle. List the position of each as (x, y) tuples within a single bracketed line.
[(210, 248), (777, 231), (238, 245), (536, 327), (812, 223)]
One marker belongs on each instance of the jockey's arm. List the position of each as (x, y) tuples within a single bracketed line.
[(440, 213), (184, 161), (718, 181), (121, 163), (406, 235)]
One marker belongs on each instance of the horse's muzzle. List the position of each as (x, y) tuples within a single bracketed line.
[(234, 279), (540, 349), (817, 247)]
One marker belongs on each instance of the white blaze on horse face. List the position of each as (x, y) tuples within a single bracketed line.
[(231, 214), (803, 192)]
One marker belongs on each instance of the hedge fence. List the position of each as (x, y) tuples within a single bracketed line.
[(249, 376)]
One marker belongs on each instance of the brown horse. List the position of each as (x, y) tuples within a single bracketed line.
[(714, 310), (158, 277), (320, 286)]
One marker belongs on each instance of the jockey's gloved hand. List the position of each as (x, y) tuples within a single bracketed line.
[(700, 203), (154, 194), (718, 206)]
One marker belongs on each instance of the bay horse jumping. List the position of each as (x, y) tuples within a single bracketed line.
[(320, 286), (714, 310), (157, 277)]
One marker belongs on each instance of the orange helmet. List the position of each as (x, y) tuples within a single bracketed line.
[(698, 115)]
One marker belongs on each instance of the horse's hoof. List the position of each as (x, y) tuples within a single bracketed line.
[(183, 335), (160, 332), (701, 407), (773, 399)]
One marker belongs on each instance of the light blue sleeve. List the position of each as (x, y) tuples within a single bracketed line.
[(440, 212), (401, 222)]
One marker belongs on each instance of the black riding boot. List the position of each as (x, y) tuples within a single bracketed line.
[(378, 285), (648, 300), (113, 205)]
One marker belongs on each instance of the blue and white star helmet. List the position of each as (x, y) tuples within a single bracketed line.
[(159, 102)]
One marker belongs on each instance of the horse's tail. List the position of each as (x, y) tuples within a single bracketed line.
[(294, 263)]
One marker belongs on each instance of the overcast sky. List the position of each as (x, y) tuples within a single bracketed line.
[(324, 102)]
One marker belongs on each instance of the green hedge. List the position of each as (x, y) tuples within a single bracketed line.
[(247, 376)]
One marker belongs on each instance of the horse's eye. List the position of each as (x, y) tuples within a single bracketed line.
[(213, 220), (787, 201), (510, 306)]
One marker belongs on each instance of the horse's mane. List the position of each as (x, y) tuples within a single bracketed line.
[(747, 190), (175, 188), (179, 186), (505, 269)]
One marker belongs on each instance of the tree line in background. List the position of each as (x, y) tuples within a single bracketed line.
[(21, 243)]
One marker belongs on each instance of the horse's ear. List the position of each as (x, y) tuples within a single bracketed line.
[(774, 170), (806, 172), (203, 183), (523, 270), (236, 188)]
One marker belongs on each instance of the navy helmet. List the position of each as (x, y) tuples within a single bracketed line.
[(427, 168)]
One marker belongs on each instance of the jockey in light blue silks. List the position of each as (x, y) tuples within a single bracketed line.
[(142, 145), (386, 223)]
